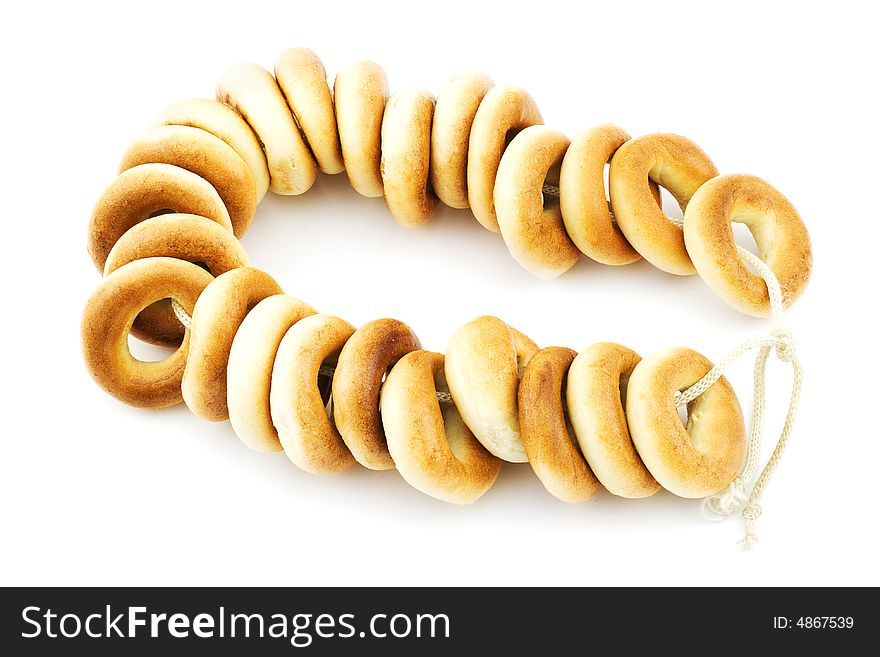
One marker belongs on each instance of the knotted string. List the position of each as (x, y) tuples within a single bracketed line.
[(781, 341)]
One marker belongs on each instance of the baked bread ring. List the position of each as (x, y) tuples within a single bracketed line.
[(303, 81), (582, 197), (484, 361), (545, 434), (432, 447), (107, 319), (673, 162), (299, 412), (503, 112), (182, 236), (205, 155), (454, 115), (782, 240), (249, 373), (362, 365), (224, 122), (252, 92), (145, 191), (597, 387), (406, 156), (530, 222), (359, 94), (701, 458), (218, 313)]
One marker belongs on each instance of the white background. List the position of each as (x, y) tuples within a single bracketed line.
[(93, 492)]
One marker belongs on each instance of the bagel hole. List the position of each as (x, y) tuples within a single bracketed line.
[(146, 352), (670, 206), (509, 136), (683, 415), (325, 384), (622, 385), (203, 265), (743, 237), (606, 181), (452, 422), (160, 212), (550, 197)]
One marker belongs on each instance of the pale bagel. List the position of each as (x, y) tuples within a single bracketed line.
[(183, 236), (218, 313), (432, 447), (549, 445), (252, 92), (484, 360), (782, 240), (582, 198), (224, 122), (298, 409), (454, 114), (531, 222), (145, 191), (503, 112), (359, 94), (363, 363), (676, 164), (406, 156), (249, 373), (701, 458), (205, 155), (597, 385), (303, 81), (109, 314)]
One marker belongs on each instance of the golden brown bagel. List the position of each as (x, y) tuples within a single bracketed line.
[(359, 94), (551, 449), (251, 361), (303, 80), (183, 236), (782, 240), (406, 156), (582, 198), (298, 410), (530, 222), (205, 155), (252, 92), (503, 112), (673, 162), (224, 122), (484, 360), (364, 361), (454, 115), (218, 313), (145, 191), (432, 447), (597, 385), (701, 458), (107, 319)]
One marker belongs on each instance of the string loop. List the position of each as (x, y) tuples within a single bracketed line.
[(781, 341)]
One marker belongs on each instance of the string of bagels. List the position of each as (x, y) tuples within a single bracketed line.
[(165, 237)]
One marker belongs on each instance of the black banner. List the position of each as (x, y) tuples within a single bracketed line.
[(321, 621)]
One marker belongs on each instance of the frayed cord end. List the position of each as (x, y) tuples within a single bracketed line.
[(751, 513)]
